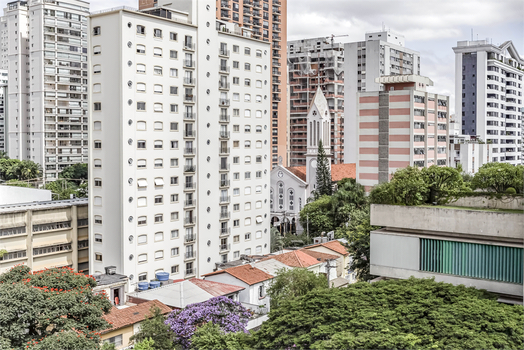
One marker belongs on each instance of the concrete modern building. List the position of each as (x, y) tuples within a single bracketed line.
[(467, 151), (401, 126), (180, 124), (315, 64), (45, 234), (44, 47), (264, 20), (3, 107), (488, 90), (380, 54), (458, 246)]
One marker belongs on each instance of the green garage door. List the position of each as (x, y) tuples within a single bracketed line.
[(490, 262)]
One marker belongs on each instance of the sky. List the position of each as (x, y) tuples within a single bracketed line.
[(431, 27)]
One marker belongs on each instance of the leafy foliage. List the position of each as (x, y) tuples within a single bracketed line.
[(210, 337), (63, 189), (443, 183), (292, 283), (148, 344), (42, 307), (317, 212), (229, 315), (349, 196), (14, 169), (155, 328), (323, 178), (76, 172), (499, 177), (411, 314)]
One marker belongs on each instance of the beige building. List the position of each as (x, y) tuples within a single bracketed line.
[(45, 235)]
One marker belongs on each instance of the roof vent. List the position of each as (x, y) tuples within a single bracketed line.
[(110, 270)]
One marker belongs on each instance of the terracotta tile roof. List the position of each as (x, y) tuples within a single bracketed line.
[(335, 246), (215, 288), (246, 273), (338, 171), (296, 258), (299, 171), (319, 255), (342, 171), (133, 314)]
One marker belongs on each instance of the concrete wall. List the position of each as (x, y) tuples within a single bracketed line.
[(516, 203), (481, 224), (16, 195), (396, 251)]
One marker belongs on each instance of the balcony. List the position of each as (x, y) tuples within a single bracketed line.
[(223, 85), (189, 168), (223, 150), (224, 134), (225, 199), (225, 5), (223, 69), (225, 247), (189, 98), (189, 81), (190, 220), (223, 102), (256, 4), (248, 3), (223, 167), (224, 118), (224, 52), (189, 46), (225, 231), (190, 272), (190, 238), (189, 64), (189, 116), (190, 151), (224, 215), (189, 203), (224, 183), (190, 133), (247, 13), (190, 186)]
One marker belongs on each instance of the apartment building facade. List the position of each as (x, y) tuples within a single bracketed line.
[(44, 235), (313, 64), (404, 125), (488, 90), (44, 48), (380, 54), (3, 108), (466, 151), (181, 107)]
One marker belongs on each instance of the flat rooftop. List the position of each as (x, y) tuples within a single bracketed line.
[(13, 208)]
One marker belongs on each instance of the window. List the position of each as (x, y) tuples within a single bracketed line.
[(236, 223), (174, 180), (258, 189), (258, 114), (174, 162), (260, 288), (247, 175), (141, 144), (98, 257), (159, 218), (258, 69), (173, 126), (158, 89), (236, 144), (236, 49), (140, 49), (259, 53), (174, 234), (247, 190), (174, 198), (175, 251), (157, 70), (236, 239), (140, 68), (173, 72), (141, 183), (236, 160), (142, 276), (236, 176), (98, 219), (174, 144), (98, 182), (142, 258), (259, 144), (258, 204), (157, 51), (247, 236), (159, 236), (142, 220), (235, 65), (158, 125), (159, 182), (247, 206), (173, 90), (98, 201), (247, 82), (258, 98), (247, 97), (116, 340), (236, 96), (140, 87), (158, 107), (97, 31), (236, 207), (236, 191), (97, 126), (97, 106), (98, 238), (248, 251), (140, 29), (247, 159), (258, 84), (259, 159), (236, 80), (98, 144), (97, 50), (173, 36), (173, 54), (247, 144), (247, 128), (157, 33), (174, 216), (175, 269), (158, 144), (159, 254)]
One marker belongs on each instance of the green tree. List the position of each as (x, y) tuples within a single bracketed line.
[(498, 177), (76, 173), (276, 240), (393, 314), (348, 197), (154, 328), (147, 344), (317, 213), (18, 183), (443, 183), (211, 337), (25, 170), (292, 283), (3, 155), (108, 346), (40, 306), (408, 186), (62, 189), (323, 178), (5, 168)]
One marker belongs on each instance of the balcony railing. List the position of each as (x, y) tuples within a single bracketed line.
[(190, 203), (189, 46), (224, 183), (223, 52), (190, 238), (189, 81), (189, 98), (225, 231), (223, 150), (190, 116), (223, 69), (223, 102), (225, 199), (189, 168), (190, 185), (224, 134), (190, 220), (190, 151), (190, 255), (224, 118), (225, 247), (223, 85), (189, 133), (189, 64), (223, 167), (225, 215)]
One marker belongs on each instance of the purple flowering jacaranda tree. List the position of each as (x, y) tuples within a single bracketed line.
[(230, 315)]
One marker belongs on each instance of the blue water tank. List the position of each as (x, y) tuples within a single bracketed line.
[(143, 285), (154, 284), (162, 276)]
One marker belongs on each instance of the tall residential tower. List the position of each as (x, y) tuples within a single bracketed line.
[(44, 47)]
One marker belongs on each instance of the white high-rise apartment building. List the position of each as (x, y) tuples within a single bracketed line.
[(488, 90), (380, 54), (3, 108), (179, 133), (43, 45)]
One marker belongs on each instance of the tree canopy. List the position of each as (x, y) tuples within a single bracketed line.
[(51, 309), (291, 283), (403, 314), (154, 329), (15, 169), (317, 214), (323, 176), (76, 173), (499, 177)]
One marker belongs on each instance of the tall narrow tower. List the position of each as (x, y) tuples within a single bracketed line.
[(318, 128)]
